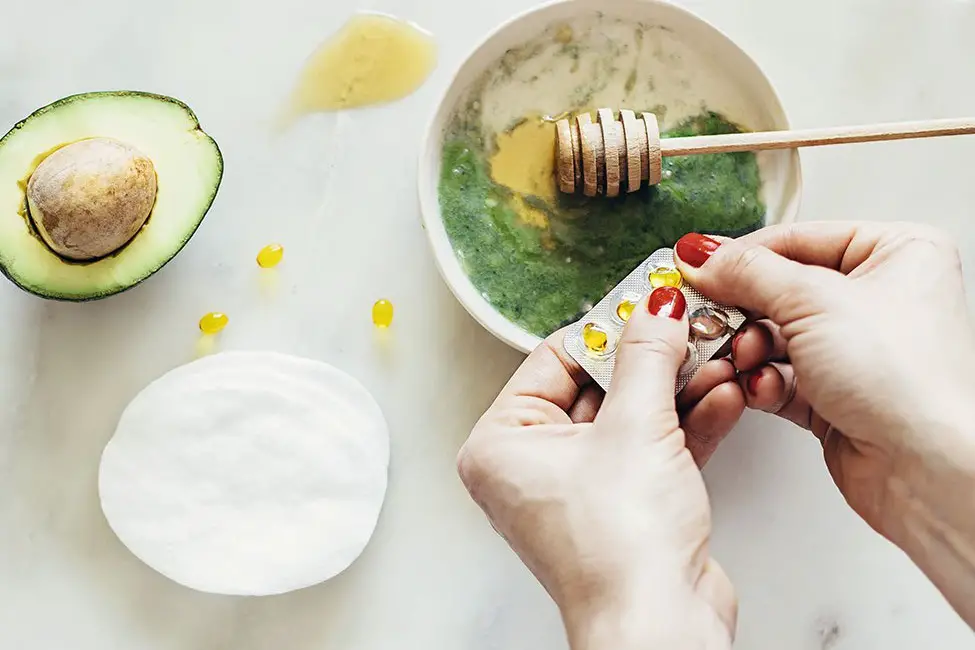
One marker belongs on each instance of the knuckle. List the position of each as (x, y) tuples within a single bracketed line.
[(469, 465), (926, 234), (800, 303), (792, 237), (952, 257), (931, 243), (476, 462), (743, 262)]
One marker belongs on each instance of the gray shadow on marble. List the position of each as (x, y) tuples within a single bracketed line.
[(483, 364), (69, 417), (402, 571), (73, 412)]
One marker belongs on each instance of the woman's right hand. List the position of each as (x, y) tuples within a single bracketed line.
[(863, 336)]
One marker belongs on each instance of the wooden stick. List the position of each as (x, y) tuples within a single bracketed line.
[(768, 140), (614, 150), (605, 164), (634, 157), (655, 157), (566, 162)]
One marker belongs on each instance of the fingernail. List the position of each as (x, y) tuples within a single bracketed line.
[(754, 380), (668, 302), (696, 249), (734, 343)]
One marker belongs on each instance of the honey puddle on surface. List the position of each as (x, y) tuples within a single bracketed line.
[(372, 59)]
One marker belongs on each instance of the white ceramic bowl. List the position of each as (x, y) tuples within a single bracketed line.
[(752, 103)]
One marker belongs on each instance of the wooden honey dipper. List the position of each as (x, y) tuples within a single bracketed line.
[(600, 157)]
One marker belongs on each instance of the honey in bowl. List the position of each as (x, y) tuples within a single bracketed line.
[(538, 256)]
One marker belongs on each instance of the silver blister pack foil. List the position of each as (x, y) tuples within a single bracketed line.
[(636, 286)]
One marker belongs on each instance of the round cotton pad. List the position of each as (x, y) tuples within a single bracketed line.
[(247, 473)]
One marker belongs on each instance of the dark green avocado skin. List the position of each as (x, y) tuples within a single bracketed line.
[(39, 291)]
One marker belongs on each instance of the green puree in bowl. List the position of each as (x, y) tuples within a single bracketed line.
[(542, 277)]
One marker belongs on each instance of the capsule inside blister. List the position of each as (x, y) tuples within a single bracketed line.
[(690, 358), (665, 276), (598, 339), (624, 307), (708, 323)]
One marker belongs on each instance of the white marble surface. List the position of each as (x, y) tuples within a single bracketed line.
[(810, 575)]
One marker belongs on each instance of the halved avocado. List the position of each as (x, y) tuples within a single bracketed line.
[(98, 191)]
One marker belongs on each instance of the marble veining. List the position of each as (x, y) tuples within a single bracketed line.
[(810, 574)]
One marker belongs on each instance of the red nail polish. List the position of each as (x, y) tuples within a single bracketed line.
[(668, 302), (696, 249), (734, 344), (754, 380)]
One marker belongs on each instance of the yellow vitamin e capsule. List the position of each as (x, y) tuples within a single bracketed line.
[(382, 313), (595, 338), (270, 256), (213, 322), (666, 276), (625, 309)]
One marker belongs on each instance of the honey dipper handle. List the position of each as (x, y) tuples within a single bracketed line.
[(814, 137)]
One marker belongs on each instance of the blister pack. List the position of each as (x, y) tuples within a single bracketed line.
[(594, 339)]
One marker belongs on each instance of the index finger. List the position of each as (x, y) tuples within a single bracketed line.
[(550, 374), (838, 245)]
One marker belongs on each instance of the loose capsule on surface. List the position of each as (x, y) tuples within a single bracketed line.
[(213, 322), (270, 256), (382, 313)]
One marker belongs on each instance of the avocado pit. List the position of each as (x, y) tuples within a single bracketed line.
[(88, 199)]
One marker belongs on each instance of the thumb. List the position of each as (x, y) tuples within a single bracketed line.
[(651, 351), (750, 276)]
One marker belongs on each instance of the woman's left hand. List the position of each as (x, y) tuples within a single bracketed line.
[(603, 500)]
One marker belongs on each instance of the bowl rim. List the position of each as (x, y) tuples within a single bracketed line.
[(445, 258)]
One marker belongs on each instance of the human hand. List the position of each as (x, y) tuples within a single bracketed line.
[(869, 326), (603, 499)]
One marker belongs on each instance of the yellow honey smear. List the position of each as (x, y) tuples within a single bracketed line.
[(213, 322), (372, 59), (525, 159), (270, 256), (382, 313), (595, 338), (666, 276), (527, 213)]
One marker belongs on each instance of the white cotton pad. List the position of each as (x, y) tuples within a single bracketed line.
[(247, 473)]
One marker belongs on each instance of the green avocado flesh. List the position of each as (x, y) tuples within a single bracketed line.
[(542, 278), (188, 168)]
